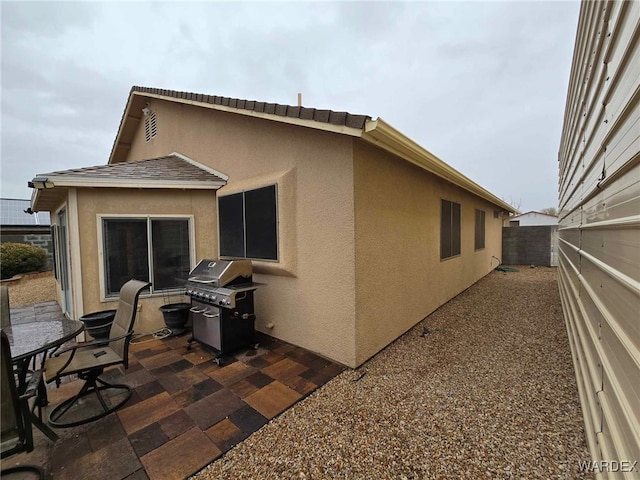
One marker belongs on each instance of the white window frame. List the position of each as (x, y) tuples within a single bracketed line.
[(148, 218)]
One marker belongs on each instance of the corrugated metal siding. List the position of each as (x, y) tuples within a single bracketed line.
[(599, 244)]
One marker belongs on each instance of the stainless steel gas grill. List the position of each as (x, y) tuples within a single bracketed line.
[(222, 311)]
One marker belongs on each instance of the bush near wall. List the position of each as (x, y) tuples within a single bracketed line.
[(16, 258), (36, 238)]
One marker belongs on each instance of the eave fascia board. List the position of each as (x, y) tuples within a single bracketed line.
[(126, 117), (94, 182), (328, 127), (383, 135), (34, 199)]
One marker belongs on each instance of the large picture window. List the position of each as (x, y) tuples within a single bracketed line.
[(479, 230), (449, 229), (249, 225), (149, 249)]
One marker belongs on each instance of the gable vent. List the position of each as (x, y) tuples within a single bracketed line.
[(150, 126)]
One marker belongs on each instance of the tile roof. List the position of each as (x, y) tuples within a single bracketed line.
[(172, 168), (318, 115)]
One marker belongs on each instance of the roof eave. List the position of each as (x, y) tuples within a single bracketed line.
[(97, 182), (34, 199), (383, 135), (60, 183), (126, 117), (120, 144), (376, 132), (329, 127)]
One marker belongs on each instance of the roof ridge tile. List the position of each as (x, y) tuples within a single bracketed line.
[(283, 110)]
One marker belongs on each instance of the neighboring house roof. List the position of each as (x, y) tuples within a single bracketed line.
[(533, 212), (376, 132), (171, 171), (13, 212)]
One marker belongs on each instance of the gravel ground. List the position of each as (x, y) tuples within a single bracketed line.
[(489, 392), (31, 288)]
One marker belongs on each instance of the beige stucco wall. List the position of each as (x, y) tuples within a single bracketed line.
[(93, 202), (358, 229), (309, 295), (400, 278)]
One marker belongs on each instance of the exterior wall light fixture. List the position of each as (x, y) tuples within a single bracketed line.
[(40, 183)]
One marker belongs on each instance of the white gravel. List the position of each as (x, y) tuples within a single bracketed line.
[(488, 393)]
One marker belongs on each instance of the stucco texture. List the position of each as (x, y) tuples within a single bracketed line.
[(114, 201), (400, 278), (358, 229), (309, 294)]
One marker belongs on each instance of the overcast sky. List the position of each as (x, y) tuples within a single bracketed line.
[(482, 85)]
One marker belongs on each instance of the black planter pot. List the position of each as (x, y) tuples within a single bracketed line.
[(176, 316), (98, 324)]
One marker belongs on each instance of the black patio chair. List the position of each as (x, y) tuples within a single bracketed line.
[(16, 435), (88, 361)]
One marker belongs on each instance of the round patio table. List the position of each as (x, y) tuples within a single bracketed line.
[(29, 339)]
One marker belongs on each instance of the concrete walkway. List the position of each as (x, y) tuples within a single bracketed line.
[(36, 312)]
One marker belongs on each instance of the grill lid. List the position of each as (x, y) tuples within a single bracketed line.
[(219, 273)]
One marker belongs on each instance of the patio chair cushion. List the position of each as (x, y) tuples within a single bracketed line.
[(83, 360)]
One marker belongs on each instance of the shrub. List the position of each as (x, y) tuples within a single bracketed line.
[(18, 258)]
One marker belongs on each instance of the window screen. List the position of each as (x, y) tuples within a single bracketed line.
[(260, 223), (248, 224), (479, 230), (125, 252), (449, 229), (171, 257), (231, 220)]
